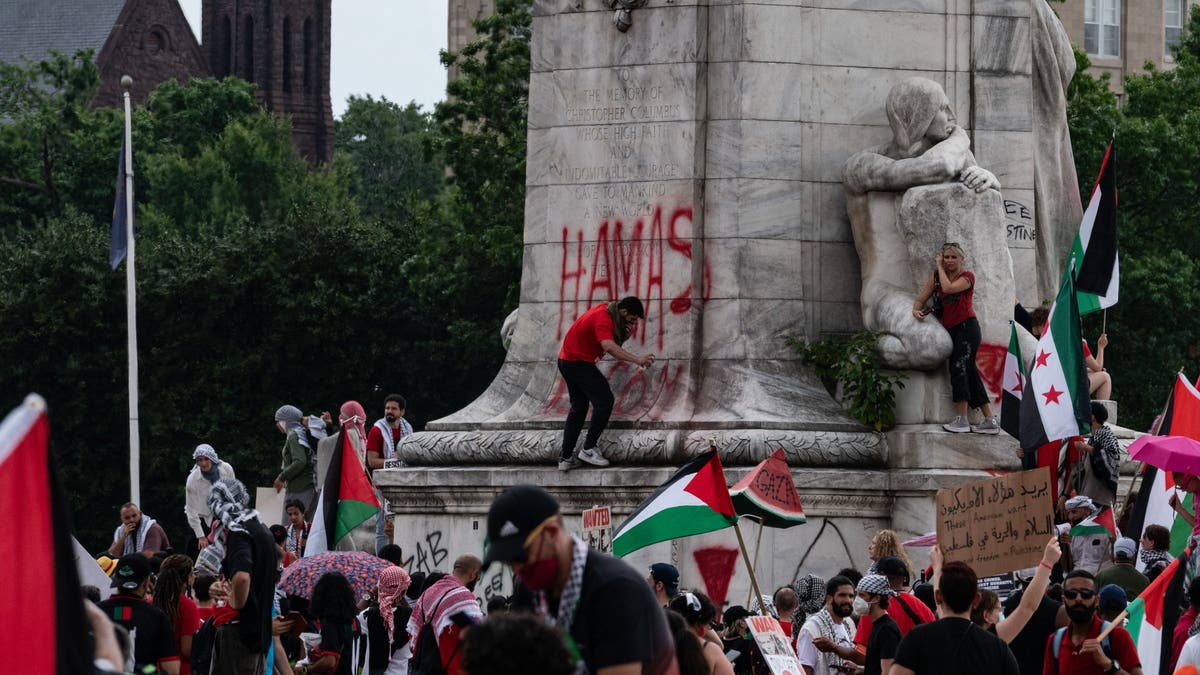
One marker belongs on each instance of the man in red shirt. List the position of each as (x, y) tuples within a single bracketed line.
[(1079, 650), (601, 330)]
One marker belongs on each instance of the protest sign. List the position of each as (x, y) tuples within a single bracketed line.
[(998, 524), (269, 504), (776, 648), (597, 528), (1003, 585)]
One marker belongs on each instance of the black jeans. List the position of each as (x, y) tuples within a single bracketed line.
[(585, 385), (965, 383)]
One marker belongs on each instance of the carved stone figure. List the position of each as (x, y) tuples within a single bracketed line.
[(927, 148)]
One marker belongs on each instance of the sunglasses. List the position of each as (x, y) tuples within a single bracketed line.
[(1084, 594)]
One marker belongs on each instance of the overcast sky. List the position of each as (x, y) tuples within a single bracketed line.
[(380, 47)]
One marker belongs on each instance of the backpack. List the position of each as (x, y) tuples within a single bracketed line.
[(203, 641), (427, 657), (1105, 644)]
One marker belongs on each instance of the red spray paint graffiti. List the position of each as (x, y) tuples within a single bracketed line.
[(637, 393), (716, 565), (989, 361), (630, 261)]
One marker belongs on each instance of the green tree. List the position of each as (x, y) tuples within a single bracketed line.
[(1155, 326), (383, 146)]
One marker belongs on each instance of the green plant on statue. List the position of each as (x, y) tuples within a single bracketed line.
[(867, 390)]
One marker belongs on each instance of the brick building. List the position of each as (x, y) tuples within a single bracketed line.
[(280, 45), (1120, 36)]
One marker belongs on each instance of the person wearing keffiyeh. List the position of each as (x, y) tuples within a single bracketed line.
[(388, 646), (297, 471), (450, 595), (138, 533), (207, 470)]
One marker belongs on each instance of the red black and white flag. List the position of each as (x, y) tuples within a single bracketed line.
[(347, 499), (40, 581)]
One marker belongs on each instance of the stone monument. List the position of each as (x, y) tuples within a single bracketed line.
[(695, 159)]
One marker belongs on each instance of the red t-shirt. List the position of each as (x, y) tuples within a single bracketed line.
[(1087, 353), (956, 308), (187, 624), (898, 614), (1071, 663), (582, 342), (375, 439)]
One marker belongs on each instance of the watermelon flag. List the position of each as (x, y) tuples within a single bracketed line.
[(1095, 247), (40, 580), (1101, 523), (694, 501), (347, 500), (1013, 385), (1153, 614), (1056, 405), (768, 494)]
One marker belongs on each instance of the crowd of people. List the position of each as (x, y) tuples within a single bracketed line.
[(577, 610)]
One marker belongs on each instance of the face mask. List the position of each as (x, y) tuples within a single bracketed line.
[(861, 606), (539, 575)]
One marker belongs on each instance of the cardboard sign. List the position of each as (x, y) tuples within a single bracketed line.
[(999, 524), (269, 505), (597, 528), (775, 646)]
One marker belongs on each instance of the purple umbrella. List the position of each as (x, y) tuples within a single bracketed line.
[(1169, 453), (361, 568)]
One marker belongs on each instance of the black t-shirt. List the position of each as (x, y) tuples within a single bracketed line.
[(955, 645), (153, 639), (381, 649), (338, 637), (619, 620), (253, 552), (1029, 646), (882, 643)]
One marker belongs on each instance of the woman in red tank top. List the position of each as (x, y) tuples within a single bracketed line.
[(952, 288)]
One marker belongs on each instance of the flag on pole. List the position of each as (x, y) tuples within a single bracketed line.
[(1095, 247), (1013, 385), (694, 501), (1153, 507), (118, 246), (1154, 613), (1101, 523), (1056, 405), (40, 579), (1055, 456), (347, 500), (1182, 416)]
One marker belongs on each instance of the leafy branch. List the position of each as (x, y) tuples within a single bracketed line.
[(853, 363)]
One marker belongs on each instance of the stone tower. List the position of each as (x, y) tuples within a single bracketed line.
[(283, 47)]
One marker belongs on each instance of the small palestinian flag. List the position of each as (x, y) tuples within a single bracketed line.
[(347, 500), (694, 501), (1095, 248), (1153, 613), (1013, 386), (1101, 523)]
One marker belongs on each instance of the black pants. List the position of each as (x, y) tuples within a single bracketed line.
[(586, 386), (965, 383)]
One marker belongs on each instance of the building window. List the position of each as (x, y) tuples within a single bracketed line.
[(1102, 27), (308, 54), (287, 54), (248, 48), (1174, 14), (226, 47)]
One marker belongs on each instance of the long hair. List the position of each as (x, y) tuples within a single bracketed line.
[(689, 651), (888, 544), (173, 577), (333, 599)]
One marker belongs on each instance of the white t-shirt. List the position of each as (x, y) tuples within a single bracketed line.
[(818, 625), (1190, 652), (1091, 552)]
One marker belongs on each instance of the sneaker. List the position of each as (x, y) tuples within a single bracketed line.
[(958, 426), (988, 426), (592, 456), (569, 463)]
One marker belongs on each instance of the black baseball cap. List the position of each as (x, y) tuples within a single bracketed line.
[(891, 566), (666, 574), (131, 571), (512, 517)]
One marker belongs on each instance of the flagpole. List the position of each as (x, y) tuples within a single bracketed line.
[(135, 487), (1153, 432), (757, 545), (753, 579)]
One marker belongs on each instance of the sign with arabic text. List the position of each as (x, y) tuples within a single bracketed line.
[(998, 524)]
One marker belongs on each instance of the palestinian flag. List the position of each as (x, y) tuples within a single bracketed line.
[(1154, 613), (1182, 416), (1152, 508), (1101, 523), (1056, 405), (1013, 385), (1095, 247), (347, 500), (694, 501), (40, 582)]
